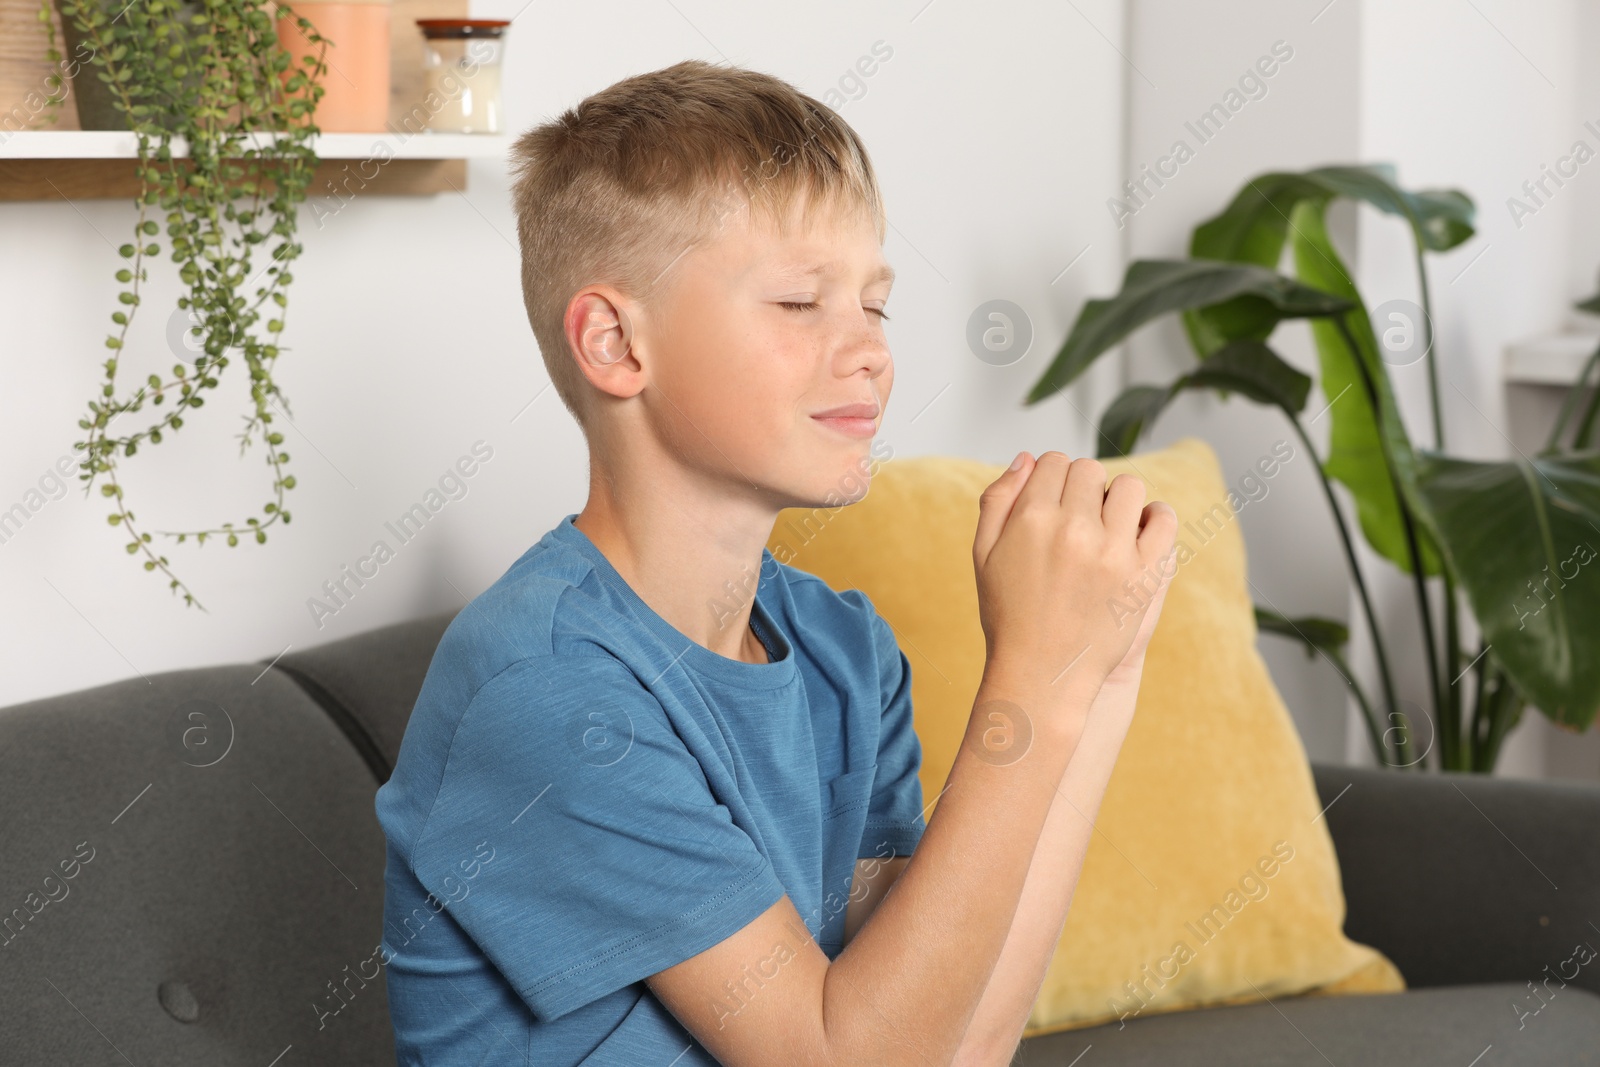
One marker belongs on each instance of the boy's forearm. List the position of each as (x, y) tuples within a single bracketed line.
[(907, 986), (1002, 1015)]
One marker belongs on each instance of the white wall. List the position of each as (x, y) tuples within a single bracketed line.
[(993, 130)]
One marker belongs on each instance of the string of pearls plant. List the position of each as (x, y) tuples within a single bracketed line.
[(213, 74)]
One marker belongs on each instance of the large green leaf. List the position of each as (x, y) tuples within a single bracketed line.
[(1247, 367), (1155, 287), (1127, 417), (1251, 368), (1250, 230), (1312, 631), (1443, 217), (1523, 539), (1440, 219), (1253, 229), (1355, 452)]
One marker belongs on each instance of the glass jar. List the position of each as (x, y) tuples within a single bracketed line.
[(461, 74)]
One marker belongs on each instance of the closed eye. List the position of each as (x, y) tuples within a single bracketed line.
[(813, 305)]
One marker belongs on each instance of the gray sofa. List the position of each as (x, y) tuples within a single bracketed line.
[(193, 875)]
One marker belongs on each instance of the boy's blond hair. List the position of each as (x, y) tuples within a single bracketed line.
[(619, 187)]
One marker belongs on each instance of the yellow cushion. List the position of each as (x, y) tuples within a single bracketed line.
[(1211, 804)]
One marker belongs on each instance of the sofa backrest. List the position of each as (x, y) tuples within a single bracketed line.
[(191, 865), (368, 683)]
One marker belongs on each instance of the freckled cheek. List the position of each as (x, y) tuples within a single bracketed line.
[(768, 369)]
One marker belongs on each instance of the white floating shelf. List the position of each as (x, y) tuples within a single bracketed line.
[(383, 144), (1553, 360)]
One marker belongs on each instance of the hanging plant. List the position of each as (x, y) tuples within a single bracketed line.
[(210, 78)]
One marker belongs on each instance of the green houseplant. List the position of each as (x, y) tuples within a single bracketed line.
[(1504, 538), (208, 77)]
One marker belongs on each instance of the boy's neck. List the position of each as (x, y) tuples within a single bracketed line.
[(698, 575)]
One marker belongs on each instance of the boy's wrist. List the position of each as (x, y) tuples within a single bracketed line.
[(1062, 702)]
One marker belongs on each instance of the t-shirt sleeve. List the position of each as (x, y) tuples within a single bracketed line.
[(895, 813), (608, 857)]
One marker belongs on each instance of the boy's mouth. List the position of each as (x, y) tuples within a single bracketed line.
[(854, 420)]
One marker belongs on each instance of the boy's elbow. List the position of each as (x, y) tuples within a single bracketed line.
[(855, 1032)]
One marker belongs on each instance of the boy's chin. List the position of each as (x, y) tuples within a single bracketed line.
[(846, 485)]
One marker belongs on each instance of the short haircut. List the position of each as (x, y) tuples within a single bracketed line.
[(616, 189)]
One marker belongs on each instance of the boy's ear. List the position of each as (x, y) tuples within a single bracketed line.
[(601, 336)]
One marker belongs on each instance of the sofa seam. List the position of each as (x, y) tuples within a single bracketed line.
[(343, 719)]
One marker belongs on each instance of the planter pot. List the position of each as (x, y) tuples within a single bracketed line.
[(97, 105), (355, 87)]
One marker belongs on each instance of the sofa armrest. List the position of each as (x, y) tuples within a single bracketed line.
[(1461, 878)]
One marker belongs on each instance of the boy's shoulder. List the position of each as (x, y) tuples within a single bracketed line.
[(546, 599), (807, 590)]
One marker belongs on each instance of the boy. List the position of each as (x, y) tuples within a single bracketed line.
[(636, 822)]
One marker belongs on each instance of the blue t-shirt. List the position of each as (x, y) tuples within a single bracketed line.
[(585, 797)]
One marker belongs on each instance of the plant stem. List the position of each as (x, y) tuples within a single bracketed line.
[(1448, 739), (1480, 708), (1505, 711), (1452, 625), (1412, 549), (1571, 402), (1452, 659), (1380, 748), (1427, 346), (1373, 732)]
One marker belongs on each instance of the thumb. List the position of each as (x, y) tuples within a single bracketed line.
[(994, 506)]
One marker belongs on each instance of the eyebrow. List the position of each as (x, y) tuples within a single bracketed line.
[(832, 266)]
